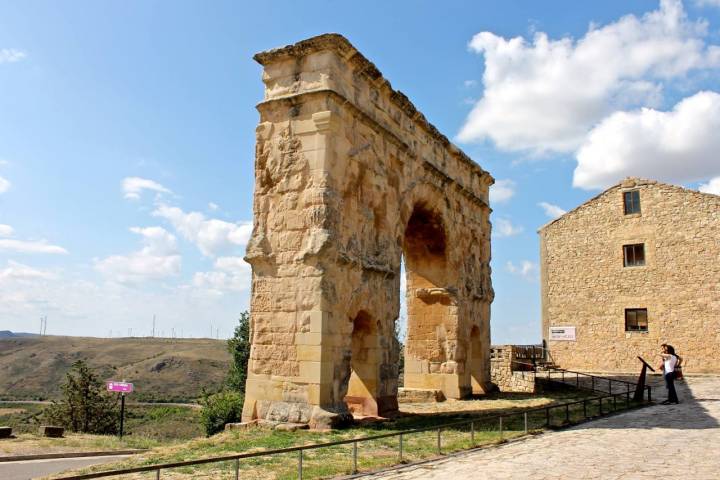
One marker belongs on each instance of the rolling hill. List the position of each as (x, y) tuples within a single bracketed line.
[(162, 369)]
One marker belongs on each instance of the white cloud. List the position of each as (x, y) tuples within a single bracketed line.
[(212, 236), (213, 206), (545, 95), (505, 228), (677, 146), (11, 55), (6, 230), (159, 258), (133, 187), (502, 191), (713, 186), (32, 246), (18, 271), (552, 211), (527, 270), (470, 83), (230, 274), (4, 185)]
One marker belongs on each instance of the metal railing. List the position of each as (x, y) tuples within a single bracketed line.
[(471, 425), (585, 381)]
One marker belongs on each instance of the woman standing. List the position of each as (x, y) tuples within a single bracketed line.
[(670, 361)]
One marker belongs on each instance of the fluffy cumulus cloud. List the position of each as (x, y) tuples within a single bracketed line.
[(4, 185), (212, 236), (6, 230), (159, 258), (678, 146), (230, 274), (526, 269), (133, 187), (18, 272), (544, 95), (713, 186), (29, 246), (707, 3), (502, 191), (11, 55), (552, 211), (505, 228)]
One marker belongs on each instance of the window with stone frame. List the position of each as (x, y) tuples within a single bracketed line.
[(634, 255), (636, 320), (631, 200)]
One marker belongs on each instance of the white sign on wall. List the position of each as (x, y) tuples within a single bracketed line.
[(566, 334)]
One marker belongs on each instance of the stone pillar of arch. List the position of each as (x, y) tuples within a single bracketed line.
[(349, 177)]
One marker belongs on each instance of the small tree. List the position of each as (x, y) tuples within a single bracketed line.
[(220, 409), (86, 406), (239, 348)]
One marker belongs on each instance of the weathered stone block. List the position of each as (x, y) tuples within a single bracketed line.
[(51, 431)]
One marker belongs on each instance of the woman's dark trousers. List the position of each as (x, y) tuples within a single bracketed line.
[(670, 384)]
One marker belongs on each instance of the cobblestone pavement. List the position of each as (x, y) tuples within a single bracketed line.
[(663, 441)]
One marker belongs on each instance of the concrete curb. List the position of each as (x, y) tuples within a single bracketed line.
[(46, 456)]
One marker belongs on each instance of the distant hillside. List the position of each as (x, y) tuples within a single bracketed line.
[(9, 334), (162, 369)]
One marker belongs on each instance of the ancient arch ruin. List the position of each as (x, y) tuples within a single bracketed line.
[(349, 177)]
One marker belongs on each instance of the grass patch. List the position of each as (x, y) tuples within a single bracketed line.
[(372, 455), (146, 426)]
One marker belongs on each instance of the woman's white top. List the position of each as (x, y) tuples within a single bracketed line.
[(670, 363)]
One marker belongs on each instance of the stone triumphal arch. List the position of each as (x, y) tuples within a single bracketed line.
[(349, 178)]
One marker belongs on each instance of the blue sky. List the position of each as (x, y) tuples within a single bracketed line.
[(127, 136)]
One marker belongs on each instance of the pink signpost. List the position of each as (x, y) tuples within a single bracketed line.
[(122, 388)]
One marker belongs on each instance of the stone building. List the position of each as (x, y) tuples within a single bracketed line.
[(628, 270), (349, 178)]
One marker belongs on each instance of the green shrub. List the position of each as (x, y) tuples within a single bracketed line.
[(220, 409)]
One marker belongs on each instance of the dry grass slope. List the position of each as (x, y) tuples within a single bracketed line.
[(162, 369)]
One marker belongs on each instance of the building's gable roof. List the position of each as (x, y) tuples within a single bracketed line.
[(628, 182)]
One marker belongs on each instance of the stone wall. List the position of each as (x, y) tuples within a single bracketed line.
[(585, 284), (504, 374), (349, 178)]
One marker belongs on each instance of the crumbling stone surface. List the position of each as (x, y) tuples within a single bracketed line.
[(349, 178), (585, 283), (419, 395)]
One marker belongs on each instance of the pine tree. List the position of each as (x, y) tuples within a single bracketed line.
[(239, 348), (86, 406)]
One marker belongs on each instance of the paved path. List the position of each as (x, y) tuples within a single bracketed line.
[(668, 442), (27, 469)]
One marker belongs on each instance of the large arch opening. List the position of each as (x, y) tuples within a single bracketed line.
[(431, 305), (361, 396), (475, 361)]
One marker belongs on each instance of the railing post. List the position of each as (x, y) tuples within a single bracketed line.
[(563, 376), (401, 448), (627, 398), (592, 377), (472, 433), (567, 412), (577, 380), (439, 444), (614, 403), (300, 466), (237, 469), (601, 399), (584, 408), (355, 447), (547, 417), (610, 385), (501, 427), (526, 421), (157, 474)]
